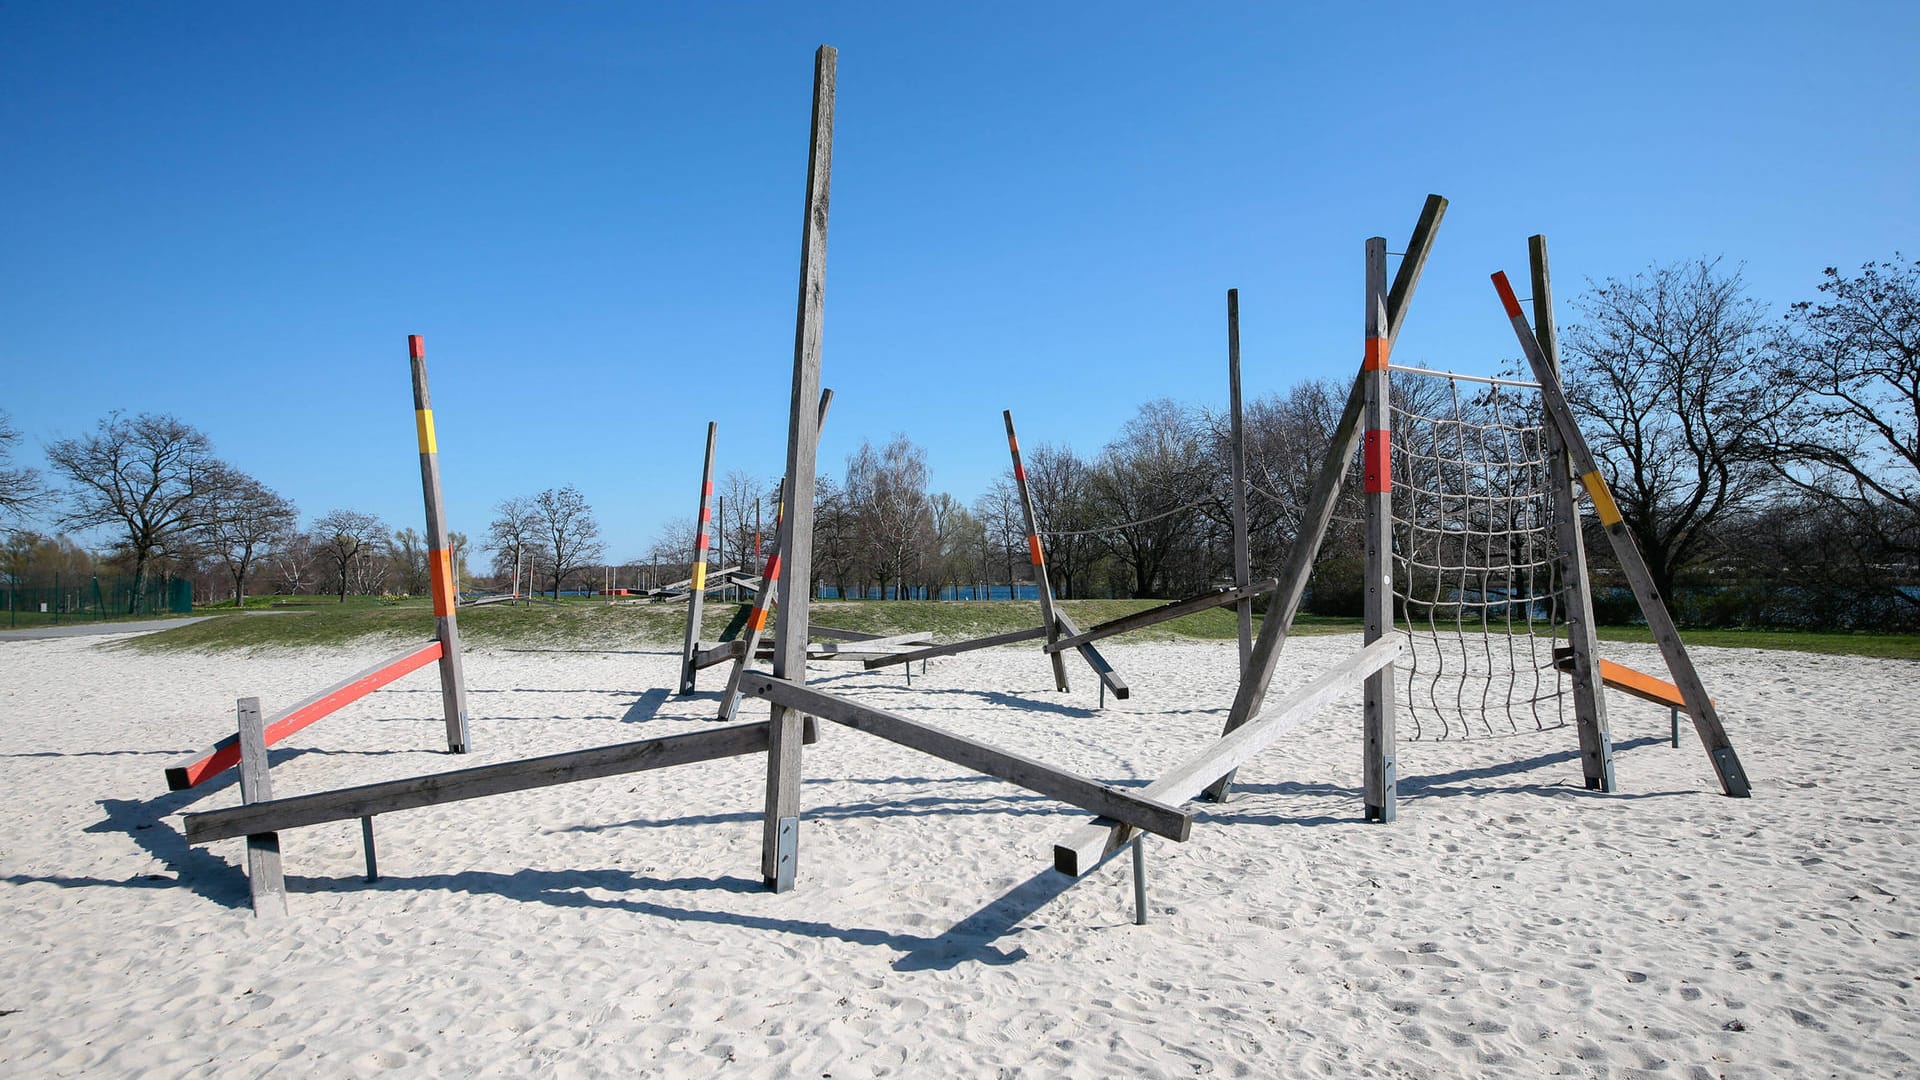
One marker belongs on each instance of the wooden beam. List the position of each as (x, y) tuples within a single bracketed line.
[(1037, 551), (225, 754), (780, 845), (1706, 719), (1144, 813), (1165, 612), (446, 624), (1414, 260), (697, 584), (1237, 469), (1027, 633), (265, 882), (1380, 773), (1093, 842), (499, 778), (1101, 667)]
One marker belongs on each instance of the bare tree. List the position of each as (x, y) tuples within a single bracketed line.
[(291, 556), (242, 519), (407, 550), (513, 535), (346, 542), (886, 492), (1003, 530), (569, 535), (19, 487), (1146, 485), (145, 477), (1669, 369), (1062, 487)]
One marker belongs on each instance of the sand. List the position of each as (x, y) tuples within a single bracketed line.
[(1511, 923)]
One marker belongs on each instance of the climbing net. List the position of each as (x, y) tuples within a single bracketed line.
[(1478, 601)]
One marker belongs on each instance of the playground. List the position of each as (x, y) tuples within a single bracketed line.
[(1508, 917)]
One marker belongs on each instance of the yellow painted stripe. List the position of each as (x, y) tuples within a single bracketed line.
[(1603, 503), (423, 425), (699, 576)]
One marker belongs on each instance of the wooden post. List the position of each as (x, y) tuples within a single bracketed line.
[(453, 681), (1041, 579), (264, 880), (780, 839), (1285, 602), (1140, 880), (697, 597), (1380, 778), (1706, 719), (1589, 703), (1242, 553), (366, 844)]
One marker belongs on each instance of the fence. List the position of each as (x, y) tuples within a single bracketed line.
[(59, 600)]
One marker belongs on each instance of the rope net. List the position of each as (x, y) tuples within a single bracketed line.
[(1478, 600)]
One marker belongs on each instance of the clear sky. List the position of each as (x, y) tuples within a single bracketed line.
[(236, 213)]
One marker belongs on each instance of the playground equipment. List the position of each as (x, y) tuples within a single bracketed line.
[(444, 648)]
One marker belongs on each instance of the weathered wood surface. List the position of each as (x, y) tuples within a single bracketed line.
[(1101, 667), (1706, 719), (446, 623), (265, 882), (697, 584), (480, 781), (225, 754), (1589, 704), (779, 862), (1122, 805), (1037, 553), (1237, 469), (1091, 843), (1379, 779), (1153, 616), (1284, 603), (955, 648)]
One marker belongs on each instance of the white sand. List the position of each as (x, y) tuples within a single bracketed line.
[(1510, 924)]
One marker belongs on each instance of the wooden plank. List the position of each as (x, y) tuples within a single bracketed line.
[(1380, 765), (1706, 719), (265, 882), (779, 854), (1237, 470), (499, 778), (446, 624), (1027, 633), (1284, 604), (1037, 552), (225, 754), (704, 658), (1143, 813), (696, 585), (1589, 705), (1097, 662), (843, 635), (1164, 613), (1629, 681), (1093, 842)]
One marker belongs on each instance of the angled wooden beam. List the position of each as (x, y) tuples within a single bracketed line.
[(1093, 842), (1042, 581), (1706, 719), (499, 778), (780, 834), (1101, 667), (1144, 813), (446, 624), (1026, 633), (697, 584), (1237, 470), (1412, 262), (225, 754), (1164, 613)]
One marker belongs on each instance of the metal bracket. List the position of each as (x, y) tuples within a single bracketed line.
[(788, 848), (1140, 880)]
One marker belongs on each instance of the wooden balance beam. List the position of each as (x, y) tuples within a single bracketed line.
[(226, 753), (1634, 683), (1165, 612)]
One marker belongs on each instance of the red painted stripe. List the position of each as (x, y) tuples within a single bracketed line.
[(772, 572), (1506, 294), (227, 754), (1019, 472), (700, 543), (1033, 545), (416, 346), (1377, 350), (1377, 462), (706, 489), (757, 620), (706, 514)]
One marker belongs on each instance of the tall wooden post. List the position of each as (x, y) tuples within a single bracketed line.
[(1706, 719), (780, 839), (1242, 553), (697, 598), (1380, 777), (265, 882), (1589, 703), (1292, 584), (1038, 552), (446, 627)]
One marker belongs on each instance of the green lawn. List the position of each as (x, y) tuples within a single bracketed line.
[(589, 624)]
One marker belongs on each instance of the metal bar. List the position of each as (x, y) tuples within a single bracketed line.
[(1484, 380)]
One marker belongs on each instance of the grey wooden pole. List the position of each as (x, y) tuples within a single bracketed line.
[(1284, 604), (265, 883), (1038, 553), (1706, 719), (1140, 880), (446, 627), (1242, 552), (696, 600), (1589, 702), (780, 839), (366, 844), (1380, 779)]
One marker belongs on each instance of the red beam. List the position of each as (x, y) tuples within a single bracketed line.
[(226, 753)]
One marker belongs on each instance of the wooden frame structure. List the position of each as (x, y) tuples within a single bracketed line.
[(444, 648)]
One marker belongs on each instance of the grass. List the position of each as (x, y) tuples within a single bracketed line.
[(595, 624)]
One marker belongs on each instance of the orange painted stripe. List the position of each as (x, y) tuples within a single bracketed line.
[(757, 620), (441, 563), (1377, 462), (1505, 290), (1377, 349), (416, 347), (1033, 545)]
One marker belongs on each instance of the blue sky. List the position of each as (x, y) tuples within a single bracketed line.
[(236, 213)]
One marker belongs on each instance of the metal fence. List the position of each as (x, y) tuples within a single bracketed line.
[(58, 600)]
